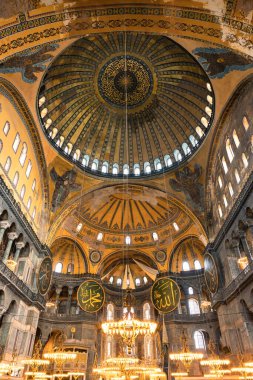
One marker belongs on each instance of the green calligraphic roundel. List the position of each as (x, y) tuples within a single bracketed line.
[(90, 296), (44, 276), (165, 295), (211, 273)]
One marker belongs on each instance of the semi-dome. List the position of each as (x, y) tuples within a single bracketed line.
[(126, 104)]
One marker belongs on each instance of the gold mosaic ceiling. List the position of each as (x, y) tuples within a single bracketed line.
[(126, 104)]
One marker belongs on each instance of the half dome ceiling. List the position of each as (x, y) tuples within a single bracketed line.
[(126, 104)]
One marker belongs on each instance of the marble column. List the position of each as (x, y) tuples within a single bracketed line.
[(68, 306), (19, 246), (11, 237), (245, 245), (4, 224), (58, 292)]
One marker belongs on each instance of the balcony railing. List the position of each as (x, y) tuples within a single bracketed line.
[(23, 290), (235, 285)]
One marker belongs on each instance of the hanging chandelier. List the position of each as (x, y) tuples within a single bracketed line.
[(36, 361), (185, 356), (129, 327)]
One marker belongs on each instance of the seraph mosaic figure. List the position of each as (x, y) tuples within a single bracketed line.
[(63, 186), (187, 181), (28, 62), (219, 62)]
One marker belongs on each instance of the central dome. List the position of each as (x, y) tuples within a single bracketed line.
[(126, 104), (125, 82)]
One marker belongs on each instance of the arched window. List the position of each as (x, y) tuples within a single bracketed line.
[(6, 128), (68, 148), (128, 240), (199, 340), (231, 190), (29, 203), (209, 87), (110, 312), (28, 169), (147, 168), (23, 154), (43, 112), (220, 211), (16, 142), (175, 225), (137, 281), (34, 185), (15, 179), (177, 155), (190, 290), (1, 145), (70, 268), (209, 99), (137, 170), (237, 177), (155, 236), (7, 165), (157, 164), (119, 281), (105, 167), (186, 148), (245, 123), (204, 122), (94, 165), (85, 160), (126, 169), (79, 227), (42, 101), (225, 201), (58, 268), (146, 311), (76, 155), (224, 164), (245, 160), (145, 280), (168, 160), (115, 169), (186, 266), (108, 346), (148, 351), (230, 151), (111, 280), (220, 182), (193, 140), (47, 125), (199, 132), (22, 192), (193, 306), (1, 297), (236, 139), (100, 236), (208, 111), (34, 213), (197, 265), (60, 141)]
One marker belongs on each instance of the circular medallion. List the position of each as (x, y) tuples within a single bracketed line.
[(125, 81), (160, 256), (44, 276), (95, 257), (165, 295), (211, 273), (90, 296)]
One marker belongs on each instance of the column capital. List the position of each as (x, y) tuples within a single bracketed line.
[(4, 224), (12, 235), (58, 290), (20, 244)]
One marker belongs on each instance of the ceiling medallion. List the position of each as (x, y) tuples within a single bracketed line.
[(125, 82)]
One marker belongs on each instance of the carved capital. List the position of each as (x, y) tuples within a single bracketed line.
[(20, 245), (4, 224), (12, 235)]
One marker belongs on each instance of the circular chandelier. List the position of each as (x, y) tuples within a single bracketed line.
[(129, 329)]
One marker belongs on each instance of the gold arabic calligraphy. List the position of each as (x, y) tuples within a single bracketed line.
[(90, 296), (165, 295)]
